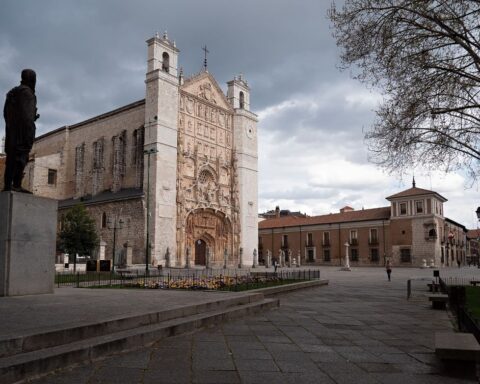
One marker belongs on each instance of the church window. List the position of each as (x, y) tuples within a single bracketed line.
[(97, 179), (242, 100), (403, 209), (104, 220), (52, 177), (79, 163), (119, 144), (165, 62), (432, 233), (137, 155)]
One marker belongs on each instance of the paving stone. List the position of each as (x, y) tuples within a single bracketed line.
[(137, 359), (79, 375), (209, 364), (307, 378), (327, 357), (297, 366), (311, 348), (256, 365), (116, 375), (378, 367), (166, 376), (215, 377), (281, 347), (339, 367), (250, 377), (273, 339), (248, 354), (353, 378)]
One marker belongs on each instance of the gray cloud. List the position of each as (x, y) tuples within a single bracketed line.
[(90, 57)]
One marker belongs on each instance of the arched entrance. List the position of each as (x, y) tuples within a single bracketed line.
[(208, 234), (200, 252)]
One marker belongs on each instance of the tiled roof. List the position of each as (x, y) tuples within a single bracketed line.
[(414, 192), (473, 233), (382, 213), (103, 197)]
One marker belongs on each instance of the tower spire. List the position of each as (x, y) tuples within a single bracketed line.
[(413, 182)]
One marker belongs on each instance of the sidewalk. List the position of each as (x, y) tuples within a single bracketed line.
[(358, 329)]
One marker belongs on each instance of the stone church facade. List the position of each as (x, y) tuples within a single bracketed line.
[(176, 171)]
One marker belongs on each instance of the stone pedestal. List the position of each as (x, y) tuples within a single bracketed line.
[(28, 227)]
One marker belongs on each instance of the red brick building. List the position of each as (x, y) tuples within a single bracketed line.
[(412, 231)]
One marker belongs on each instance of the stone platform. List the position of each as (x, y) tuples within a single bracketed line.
[(42, 333), (28, 228)]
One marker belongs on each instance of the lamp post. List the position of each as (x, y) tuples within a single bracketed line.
[(347, 260), (148, 152), (478, 238), (115, 223)]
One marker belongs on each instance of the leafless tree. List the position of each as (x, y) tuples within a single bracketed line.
[(424, 57)]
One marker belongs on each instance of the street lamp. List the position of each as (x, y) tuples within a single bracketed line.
[(148, 152), (116, 223), (347, 260)]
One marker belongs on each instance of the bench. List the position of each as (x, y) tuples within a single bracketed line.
[(456, 346), (439, 300)]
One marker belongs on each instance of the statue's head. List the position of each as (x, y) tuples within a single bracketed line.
[(29, 78)]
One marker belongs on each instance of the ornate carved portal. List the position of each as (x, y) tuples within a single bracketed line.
[(209, 233)]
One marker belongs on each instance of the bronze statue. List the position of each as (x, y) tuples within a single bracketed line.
[(20, 113)]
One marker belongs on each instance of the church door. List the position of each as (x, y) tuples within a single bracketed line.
[(200, 252)]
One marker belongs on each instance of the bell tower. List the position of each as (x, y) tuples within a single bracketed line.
[(246, 153), (160, 148)]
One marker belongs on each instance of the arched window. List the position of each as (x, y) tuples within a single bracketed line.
[(104, 220), (165, 62), (242, 100), (432, 233)]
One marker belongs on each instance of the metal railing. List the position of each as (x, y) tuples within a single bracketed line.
[(229, 280), (456, 288)]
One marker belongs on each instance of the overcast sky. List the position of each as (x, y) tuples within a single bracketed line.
[(90, 57)]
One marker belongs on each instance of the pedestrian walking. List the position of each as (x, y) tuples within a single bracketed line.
[(388, 267)]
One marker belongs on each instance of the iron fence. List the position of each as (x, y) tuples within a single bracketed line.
[(227, 280), (457, 299)]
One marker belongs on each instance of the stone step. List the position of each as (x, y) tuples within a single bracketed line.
[(36, 341), (22, 366)]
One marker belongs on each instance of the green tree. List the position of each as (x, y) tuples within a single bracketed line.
[(424, 57), (78, 234)]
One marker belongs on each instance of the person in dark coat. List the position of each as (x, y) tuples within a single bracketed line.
[(20, 113), (388, 267)]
